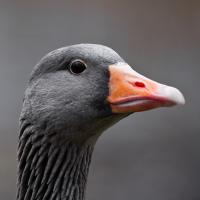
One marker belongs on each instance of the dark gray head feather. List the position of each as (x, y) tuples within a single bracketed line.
[(70, 105)]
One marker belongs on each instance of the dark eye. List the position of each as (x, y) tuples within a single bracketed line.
[(77, 67)]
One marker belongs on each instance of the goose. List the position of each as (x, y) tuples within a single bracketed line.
[(75, 93)]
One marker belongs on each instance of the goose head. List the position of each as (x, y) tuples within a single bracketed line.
[(80, 90)]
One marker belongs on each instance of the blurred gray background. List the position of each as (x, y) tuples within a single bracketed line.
[(153, 155)]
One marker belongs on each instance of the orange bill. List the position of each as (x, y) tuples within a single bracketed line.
[(131, 92)]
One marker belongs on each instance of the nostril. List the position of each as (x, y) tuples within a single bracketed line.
[(139, 84)]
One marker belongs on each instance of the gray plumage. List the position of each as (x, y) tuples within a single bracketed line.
[(62, 116)]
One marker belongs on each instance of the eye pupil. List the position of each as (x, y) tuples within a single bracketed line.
[(77, 67)]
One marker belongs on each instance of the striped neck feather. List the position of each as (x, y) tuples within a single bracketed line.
[(51, 170)]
